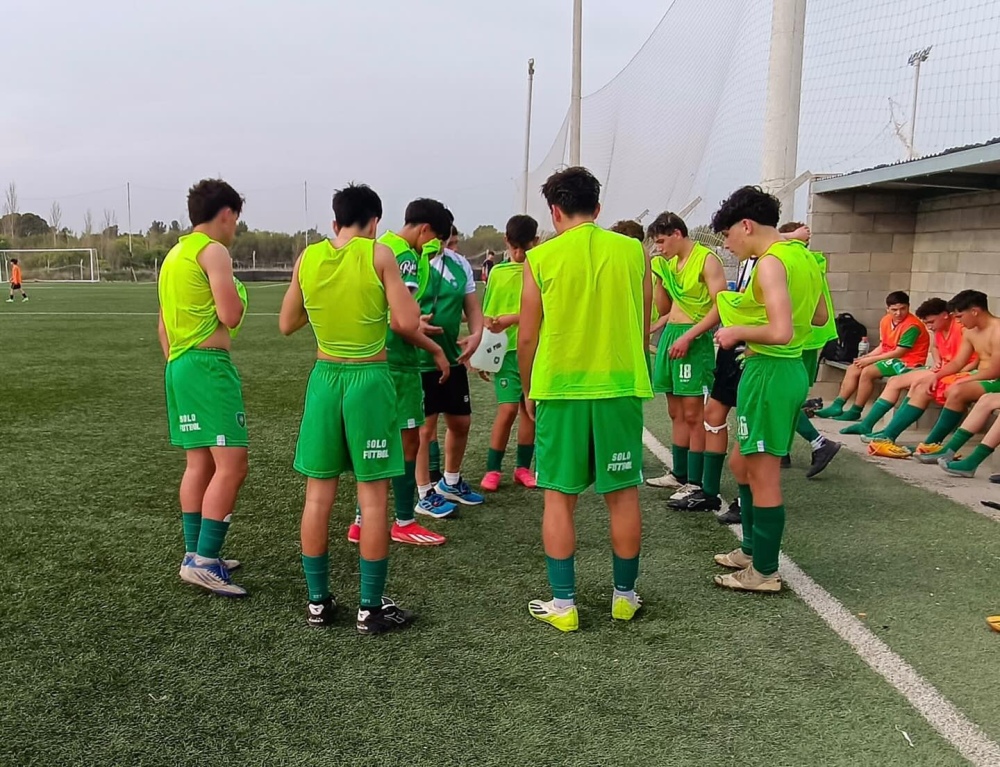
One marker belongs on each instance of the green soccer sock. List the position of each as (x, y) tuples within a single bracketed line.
[(712, 476), (373, 575), (562, 577), (746, 515), (905, 417), (525, 455), (317, 572), (805, 429), (680, 456), (696, 467), (835, 408), (946, 422), (435, 456), (626, 571), (853, 414), (211, 537), (876, 414), (494, 460), (191, 523), (404, 492), (980, 454), (958, 440), (768, 527)]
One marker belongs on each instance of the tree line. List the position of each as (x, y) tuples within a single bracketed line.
[(135, 258)]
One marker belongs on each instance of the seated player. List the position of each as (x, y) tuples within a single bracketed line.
[(903, 346), (973, 424), (502, 308), (349, 290), (947, 333), (981, 337)]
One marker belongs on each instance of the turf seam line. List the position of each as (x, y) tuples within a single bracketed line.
[(961, 732)]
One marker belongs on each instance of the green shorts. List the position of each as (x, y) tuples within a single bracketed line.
[(690, 376), (349, 423), (890, 368), (205, 401), (579, 443), (810, 360), (507, 380), (409, 398), (768, 403), (990, 387)]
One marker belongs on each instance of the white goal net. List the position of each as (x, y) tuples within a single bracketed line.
[(56, 265)]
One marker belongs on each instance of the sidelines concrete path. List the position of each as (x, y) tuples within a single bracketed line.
[(968, 492)]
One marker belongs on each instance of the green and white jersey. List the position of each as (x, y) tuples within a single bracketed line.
[(413, 269), (450, 281)]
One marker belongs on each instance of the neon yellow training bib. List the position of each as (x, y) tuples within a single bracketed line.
[(591, 344), (503, 295), (805, 288), (344, 298), (820, 335), (685, 286), (186, 300)]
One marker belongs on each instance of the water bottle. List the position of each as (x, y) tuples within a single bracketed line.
[(864, 347)]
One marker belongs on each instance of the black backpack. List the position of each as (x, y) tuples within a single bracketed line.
[(844, 348)]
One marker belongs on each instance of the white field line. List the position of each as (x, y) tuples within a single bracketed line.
[(943, 716)]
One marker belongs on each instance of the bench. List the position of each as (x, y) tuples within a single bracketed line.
[(831, 375)]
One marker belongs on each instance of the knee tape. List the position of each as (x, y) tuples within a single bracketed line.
[(716, 429)]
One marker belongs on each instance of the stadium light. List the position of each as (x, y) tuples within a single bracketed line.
[(576, 97), (915, 60)]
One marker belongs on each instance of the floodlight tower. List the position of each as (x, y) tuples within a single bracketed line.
[(915, 61), (577, 98)]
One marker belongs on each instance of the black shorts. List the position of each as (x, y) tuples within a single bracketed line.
[(728, 371), (450, 397), (15, 286)]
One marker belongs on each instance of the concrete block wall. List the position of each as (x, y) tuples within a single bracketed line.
[(956, 246), (868, 239)]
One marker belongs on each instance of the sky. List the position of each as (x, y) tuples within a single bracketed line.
[(414, 97)]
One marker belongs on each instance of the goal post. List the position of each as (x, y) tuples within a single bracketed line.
[(53, 264)]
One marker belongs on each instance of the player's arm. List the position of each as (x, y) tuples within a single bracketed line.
[(965, 352), (772, 281), (530, 325), (293, 315), (474, 317), (715, 280), (404, 313), (218, 266), (647, 300), (161, 332), (822, 314), (802, 234), (662, 299)]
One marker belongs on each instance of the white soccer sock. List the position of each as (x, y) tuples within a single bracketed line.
[(818, 442), (357, 518), (563, 604), (629, 595), (405, 522), (423, 490), (452, 477)]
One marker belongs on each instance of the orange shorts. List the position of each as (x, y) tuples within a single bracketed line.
[(940, 390)]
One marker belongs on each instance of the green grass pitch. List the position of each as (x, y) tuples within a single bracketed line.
[(106, 658)]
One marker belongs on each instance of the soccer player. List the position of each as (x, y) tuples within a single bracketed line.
[(450, 294), (15, 281), (823, 449), (425, 221), (348, 290), (774, 317), (584, 329), (502, 307), (634, 230), (488, 263), (974, 423), (903, 346), (982, 338), (946, 334), (691, 276), (201, 309)]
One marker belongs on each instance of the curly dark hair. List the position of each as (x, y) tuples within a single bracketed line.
[(748, 202)]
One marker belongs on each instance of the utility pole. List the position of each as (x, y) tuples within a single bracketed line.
[(527, 138), (128, 208), (576, 96), (305, 207), (784, 91), (915, 61)]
